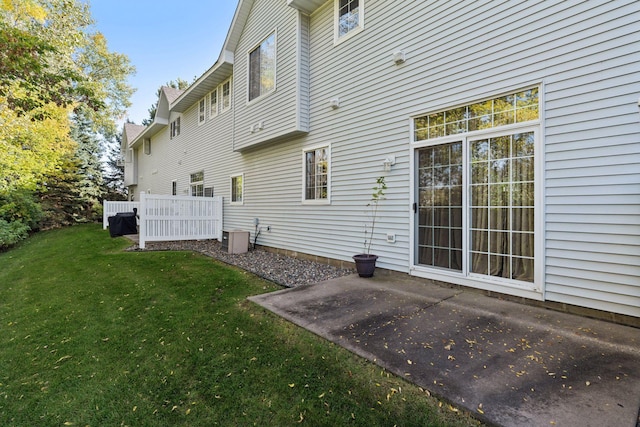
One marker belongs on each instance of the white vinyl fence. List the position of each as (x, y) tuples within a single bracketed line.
[(166, 218), (112, 208)]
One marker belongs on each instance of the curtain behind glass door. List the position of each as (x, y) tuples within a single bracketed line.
[(440, 206)]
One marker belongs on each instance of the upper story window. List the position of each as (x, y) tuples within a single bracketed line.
[(146, 146), (262, 68), (316, 174), (349, 17), (225, 91), (197, 184), (202, 109), (213, 103), (175, 128)]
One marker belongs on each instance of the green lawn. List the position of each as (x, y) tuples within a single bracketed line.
[(92, 335)]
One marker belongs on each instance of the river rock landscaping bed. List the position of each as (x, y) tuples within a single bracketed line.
[(281, 269)]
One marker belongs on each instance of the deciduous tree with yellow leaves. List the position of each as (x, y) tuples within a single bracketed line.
[(55, 74)]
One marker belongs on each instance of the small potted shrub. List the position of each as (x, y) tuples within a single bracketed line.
[(366, 262)]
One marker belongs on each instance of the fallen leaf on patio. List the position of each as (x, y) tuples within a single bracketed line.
[(409, 362), (588, 383)]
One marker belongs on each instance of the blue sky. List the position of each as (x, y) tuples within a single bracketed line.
[(164, 40)]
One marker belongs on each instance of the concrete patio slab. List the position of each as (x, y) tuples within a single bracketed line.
[(508, 363)]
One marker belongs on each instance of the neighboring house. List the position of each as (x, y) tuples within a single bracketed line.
[(511, 133)]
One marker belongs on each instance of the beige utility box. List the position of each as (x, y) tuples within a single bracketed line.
[(235, 241)]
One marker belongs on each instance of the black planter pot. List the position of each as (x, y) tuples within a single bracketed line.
[(365, 264)]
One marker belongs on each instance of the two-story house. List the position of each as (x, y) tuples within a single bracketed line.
[(508, 135)]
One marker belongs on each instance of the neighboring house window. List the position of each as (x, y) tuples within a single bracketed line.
[(225, 89), (197, 184), (213, 103), (349, 17), (262, 68), (497, 208), (175, 127), (174, 188), (316, 174), (202, 109), (237, 188), (146, 145)]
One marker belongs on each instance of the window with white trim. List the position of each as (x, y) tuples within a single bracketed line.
[(197, 184), (476, 188), (175, 128), (237, 189), (349, 17), (225, 94), (262, 68), (213, 103), (202, 110), (316, 174)]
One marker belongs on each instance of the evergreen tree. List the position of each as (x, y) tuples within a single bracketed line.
[(60, 196), (90, 169), (114, 188)]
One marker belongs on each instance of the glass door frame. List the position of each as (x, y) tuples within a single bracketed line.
[(533, 290)]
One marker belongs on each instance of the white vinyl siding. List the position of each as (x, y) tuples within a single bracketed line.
[(284, 112), (585, 57)]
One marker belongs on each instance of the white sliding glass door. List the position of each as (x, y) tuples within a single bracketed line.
[(476, 193)]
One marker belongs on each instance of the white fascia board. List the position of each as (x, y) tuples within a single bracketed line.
[(218, 73), (155, 127)]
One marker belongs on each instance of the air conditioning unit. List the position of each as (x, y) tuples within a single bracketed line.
[(235, 241)]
